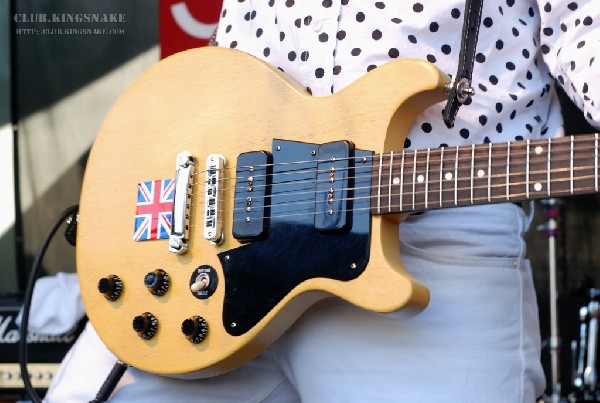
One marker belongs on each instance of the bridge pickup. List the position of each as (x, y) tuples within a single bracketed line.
[(252, 194), (334, 184)]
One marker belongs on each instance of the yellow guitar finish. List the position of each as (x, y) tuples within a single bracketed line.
[(222, 101)]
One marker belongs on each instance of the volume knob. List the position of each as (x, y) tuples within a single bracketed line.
[(194, 329), (157, 282), (145, 325), (111, 287)]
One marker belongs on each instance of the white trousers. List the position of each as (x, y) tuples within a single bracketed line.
[(477, 341)]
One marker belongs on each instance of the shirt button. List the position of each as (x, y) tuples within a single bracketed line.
[(317, 25)]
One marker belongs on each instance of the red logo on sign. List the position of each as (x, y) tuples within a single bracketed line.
[(187, 24)]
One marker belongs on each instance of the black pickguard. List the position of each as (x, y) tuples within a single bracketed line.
[(259, 274)]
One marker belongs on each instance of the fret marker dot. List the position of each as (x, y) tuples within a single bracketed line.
[(448, 176), (539, 150), (420, 179), (480, 173), (396, 181), (537, 187)]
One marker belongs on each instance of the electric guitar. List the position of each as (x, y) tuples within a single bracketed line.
[(220, 201)]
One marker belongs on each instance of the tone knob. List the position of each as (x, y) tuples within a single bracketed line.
[(145, 325), (194, 329), (111, 287), (157, 282)]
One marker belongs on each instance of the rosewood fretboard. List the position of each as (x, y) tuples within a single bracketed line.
[(487, 173)]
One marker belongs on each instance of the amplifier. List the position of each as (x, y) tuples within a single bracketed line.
[(45, 352)]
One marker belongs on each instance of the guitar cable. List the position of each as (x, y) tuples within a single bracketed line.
[(70, 216), (35, 269)]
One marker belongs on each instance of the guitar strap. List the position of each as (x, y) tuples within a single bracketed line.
[(461, 89)]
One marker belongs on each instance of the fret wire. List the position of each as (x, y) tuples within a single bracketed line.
[(427, 179), (527, 170), (596, 162), (472, 169), (441, 174), (549, 167), (379, 187), (490, 172), (414, 184), (456, 178), (390, 183), (572, 137), (402, 179), (507, 171)]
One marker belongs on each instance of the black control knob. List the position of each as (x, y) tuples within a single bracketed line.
[(157, 282), (111, 287), (145, 325), (194, 329)]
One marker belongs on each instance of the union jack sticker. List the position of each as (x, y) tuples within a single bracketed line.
[(153, 210)]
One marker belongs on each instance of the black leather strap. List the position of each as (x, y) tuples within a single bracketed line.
[(466, 60)]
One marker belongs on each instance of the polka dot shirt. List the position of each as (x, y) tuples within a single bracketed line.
[(524, 45)]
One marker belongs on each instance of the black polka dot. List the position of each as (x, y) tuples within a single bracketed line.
[(371, 67), (319, 73), (393, 53), (455, 13), (426, 127), (360, 17), (446, 49), (304, 56), (337, 70), (380, 5), (355, 51), (340, 35), (323, 37), (412, 39), (376, 35), (464, 133), (434, 27), (417, 7)]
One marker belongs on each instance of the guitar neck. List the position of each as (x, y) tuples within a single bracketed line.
[(487, 173)]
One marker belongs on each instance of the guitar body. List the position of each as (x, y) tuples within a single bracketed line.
[(213, 101)]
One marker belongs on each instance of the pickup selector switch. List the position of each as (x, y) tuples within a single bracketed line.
[(157, 282), (145, 325), (194, 329), (111, 287)]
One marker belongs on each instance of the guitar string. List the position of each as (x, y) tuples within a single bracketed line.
[(484, 159), (480, 164), (479, 158), (462, 200)]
